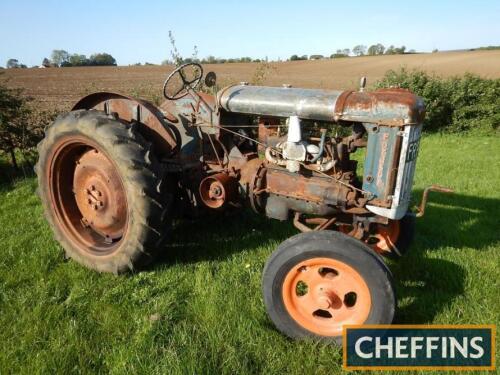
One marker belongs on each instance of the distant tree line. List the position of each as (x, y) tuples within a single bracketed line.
[(177, 59), (487, 48), (358, 50), (62, 58), (210, 60)]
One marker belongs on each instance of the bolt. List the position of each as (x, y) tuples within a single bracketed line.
[(89, 201), (101, 203), (96, 207), (92, 188), (216, 191)]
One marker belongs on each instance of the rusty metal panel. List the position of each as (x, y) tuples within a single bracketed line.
[(130, 109), (267, 132), (392, 107), (404, 180), (380, 158), (313, 189)]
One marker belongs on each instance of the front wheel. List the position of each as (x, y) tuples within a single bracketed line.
[(317, 282)]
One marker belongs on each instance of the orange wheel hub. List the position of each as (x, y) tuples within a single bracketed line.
[(99, 194), (88, 196), (323, 294)]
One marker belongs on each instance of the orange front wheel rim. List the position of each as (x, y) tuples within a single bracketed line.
[(323, 294)]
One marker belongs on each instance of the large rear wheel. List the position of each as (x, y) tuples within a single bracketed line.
[(317, 282), (100, 187)]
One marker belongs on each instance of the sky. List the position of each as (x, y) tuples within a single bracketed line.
[(137, 31)]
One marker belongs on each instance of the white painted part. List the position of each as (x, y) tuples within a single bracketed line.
[(294, 130), (312, 149), (391, 213), (294, 151), (293, 166)]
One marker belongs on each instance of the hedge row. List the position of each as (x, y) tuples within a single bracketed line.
[(456, 104)]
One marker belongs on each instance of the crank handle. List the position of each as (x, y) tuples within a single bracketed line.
[(425, 195)]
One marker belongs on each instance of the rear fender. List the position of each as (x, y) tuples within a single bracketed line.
[(154, 124)]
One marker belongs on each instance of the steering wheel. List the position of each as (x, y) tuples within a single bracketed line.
[(186, 76)]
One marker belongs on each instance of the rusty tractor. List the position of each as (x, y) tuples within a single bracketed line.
[(116, 170)]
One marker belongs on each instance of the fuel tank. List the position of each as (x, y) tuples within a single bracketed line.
[(391, 107)]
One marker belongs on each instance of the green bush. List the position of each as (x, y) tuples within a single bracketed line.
[(21, 125), (456, 104)]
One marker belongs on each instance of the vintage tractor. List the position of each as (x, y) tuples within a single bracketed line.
[(116, 170)]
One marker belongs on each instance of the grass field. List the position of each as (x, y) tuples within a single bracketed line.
[(62, 87), (199, 309)]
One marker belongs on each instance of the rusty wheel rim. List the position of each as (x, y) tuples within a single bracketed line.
[(385, 237), (88, 196), (323, 294)]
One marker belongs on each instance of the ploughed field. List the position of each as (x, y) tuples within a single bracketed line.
[(62, 87)]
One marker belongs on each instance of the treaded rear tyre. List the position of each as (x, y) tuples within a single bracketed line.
[(342, 256), (130, 159)]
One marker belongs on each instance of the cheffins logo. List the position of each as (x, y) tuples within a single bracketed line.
[(444, 347)]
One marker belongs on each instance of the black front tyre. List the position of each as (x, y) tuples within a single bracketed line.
[(316, 282)]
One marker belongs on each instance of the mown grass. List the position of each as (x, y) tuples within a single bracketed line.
[(199, 309)]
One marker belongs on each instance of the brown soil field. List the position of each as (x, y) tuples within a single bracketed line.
[(61, 87)]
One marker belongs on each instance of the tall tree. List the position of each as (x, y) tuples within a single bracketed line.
[(12, 63), (78, 60), (59, 56), (376, 49), (102, 59), (390, 50), (359, 50), (401, 50)]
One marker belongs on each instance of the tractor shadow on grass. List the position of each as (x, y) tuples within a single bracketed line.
[(219, 236), (9, 175), (457, 220), (426, 286)]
